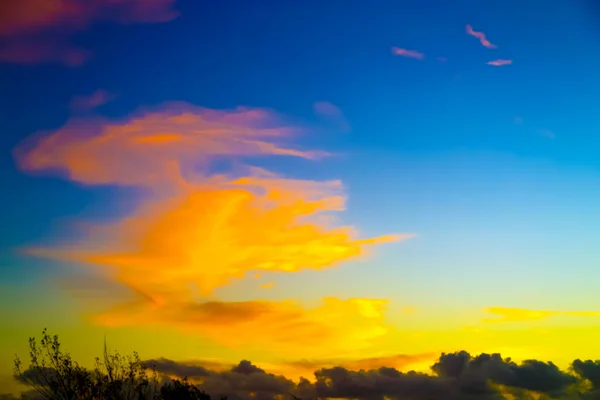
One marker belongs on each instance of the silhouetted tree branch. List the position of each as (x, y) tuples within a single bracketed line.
[(53, 375)]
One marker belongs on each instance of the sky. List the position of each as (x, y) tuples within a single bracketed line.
[(300, 184)]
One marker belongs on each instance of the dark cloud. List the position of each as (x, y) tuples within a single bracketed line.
[(588, 370), (451, 365), (243, 381), (246, 367), (179, 369), (474, 375), (455, 376), (379, 384)]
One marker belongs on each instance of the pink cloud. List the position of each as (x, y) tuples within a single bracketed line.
[(407, 53), (35, 31), (500, 62), (481, 37), (91, 101)]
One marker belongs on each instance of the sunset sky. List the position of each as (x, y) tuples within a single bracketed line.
[(301, 183)]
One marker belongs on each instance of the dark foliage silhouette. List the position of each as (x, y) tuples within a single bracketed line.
[(53, 375)]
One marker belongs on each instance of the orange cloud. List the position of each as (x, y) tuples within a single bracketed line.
[(480, 36), (523, 315), (153, 147), (33, 31), (195, 231), (227, 230), (285, 327), (500, 62), (407, 53), (91, 101)]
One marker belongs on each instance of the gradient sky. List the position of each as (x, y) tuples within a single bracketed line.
[(336, 182)]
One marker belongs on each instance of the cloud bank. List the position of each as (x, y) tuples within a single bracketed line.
[(456, 375)]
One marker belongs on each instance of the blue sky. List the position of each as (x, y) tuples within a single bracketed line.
[(427, 138), (495, 169)]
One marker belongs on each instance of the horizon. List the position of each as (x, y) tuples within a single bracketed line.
[(355, 185)]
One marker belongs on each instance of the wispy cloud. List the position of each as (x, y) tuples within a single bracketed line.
[(407, 53), (91, 101), (481, 36), (35, 31), (499, 62), (332, 113), (506, 314)]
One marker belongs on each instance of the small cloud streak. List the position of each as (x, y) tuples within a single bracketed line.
[(523, 315), (35, 31), (499, 62), (397, 51), (481, 36), (332, 113), (92, 101)]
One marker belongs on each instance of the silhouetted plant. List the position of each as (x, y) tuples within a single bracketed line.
[(55, 376), (52, 373), (118, 377), (182, 390)]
